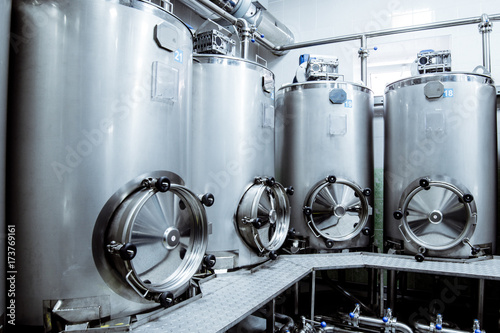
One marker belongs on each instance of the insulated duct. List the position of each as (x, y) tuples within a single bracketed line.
[(269, 31)]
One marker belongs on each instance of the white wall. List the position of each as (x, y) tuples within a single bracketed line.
[(315, 19)]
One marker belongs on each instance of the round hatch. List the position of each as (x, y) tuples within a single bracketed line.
[(337, 210), (436, 214), (263, 215), (151, 237)]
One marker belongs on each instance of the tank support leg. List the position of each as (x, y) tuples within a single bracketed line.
[(270, 318), (313, 292)]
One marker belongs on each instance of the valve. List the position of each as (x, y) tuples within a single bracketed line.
[(439, 322), (208, 199), (388, 320), (474, 249), (475, 326), (354, 315)]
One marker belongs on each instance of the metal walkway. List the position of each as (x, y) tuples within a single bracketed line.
[(229, 298)]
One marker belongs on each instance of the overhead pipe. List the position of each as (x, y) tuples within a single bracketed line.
[(385, 32), (484, 27)]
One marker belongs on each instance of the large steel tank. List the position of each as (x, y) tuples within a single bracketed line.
[(5, 7), (440, 166), (232, 153), (324, 147), (98, 113)]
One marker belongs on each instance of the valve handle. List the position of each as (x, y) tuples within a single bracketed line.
[(273, 255), (424, 182), (366, 231), (128, 251), (307, 211), (419, 257), (398, 215), (208, 199), (468, 197), (166, 299), (257, 223), (162, 184), (209, 260), (270, 181)]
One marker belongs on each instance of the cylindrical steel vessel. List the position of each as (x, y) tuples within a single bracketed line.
[(5, 7), (324, 147), (232, 153), (440, 165), (98, 111)]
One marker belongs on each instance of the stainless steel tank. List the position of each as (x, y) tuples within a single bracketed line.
[(324, 147), (440, 166), (232, 153), (98, 115), (5, 7)]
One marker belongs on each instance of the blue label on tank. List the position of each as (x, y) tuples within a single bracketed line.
[(348, 103), (448, 93), (178, 56)]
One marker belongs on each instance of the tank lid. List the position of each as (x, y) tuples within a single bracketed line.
[(440, 77), (158, 10), (324, 84), (227, 60)]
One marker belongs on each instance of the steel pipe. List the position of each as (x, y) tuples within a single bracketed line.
[(234, 21), (379, 323), (428, 328), (386, 32), (485, 28), (363, 54)]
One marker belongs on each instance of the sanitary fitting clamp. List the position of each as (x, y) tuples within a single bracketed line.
[(485, 25)]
